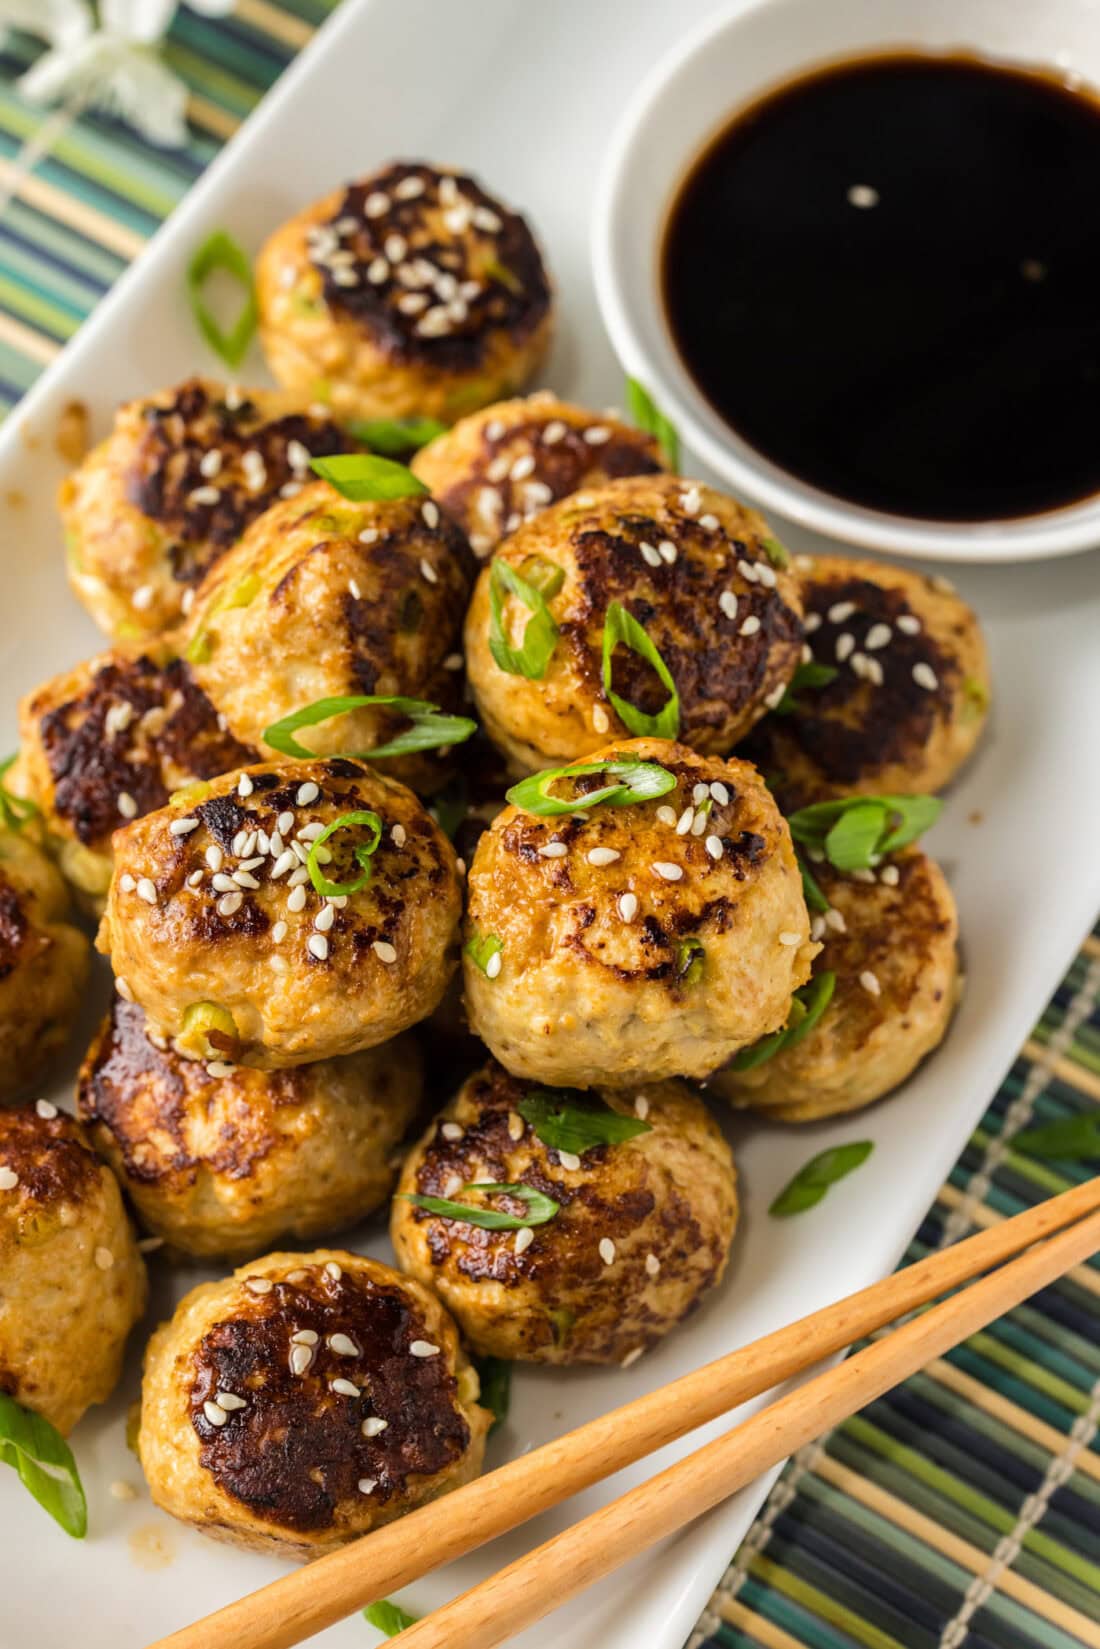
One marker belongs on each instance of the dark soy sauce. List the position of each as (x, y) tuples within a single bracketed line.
[(885, 276)]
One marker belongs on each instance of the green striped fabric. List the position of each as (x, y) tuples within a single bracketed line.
[(962, 1511)]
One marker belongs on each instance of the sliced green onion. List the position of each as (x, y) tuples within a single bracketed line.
[(495, 1377), (540, 1208), (45, 1464), (540, 635), (15, 811), (621, 626), (362, 853), (811, 890), (570, 1121), (777, 553), (852, 843), (643, 782), (449, 806), (546, 576), (220, 251), (429, 730), (810, 1184), (810, 675), (1073, 1138), (481, 948), (690, 961), (393, 437), (649, 417), (855, 832), (388, 1617), (807, 1007), (363, 475)]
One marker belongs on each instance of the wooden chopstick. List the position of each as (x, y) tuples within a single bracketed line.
[(543, 1579), (305, 1601)]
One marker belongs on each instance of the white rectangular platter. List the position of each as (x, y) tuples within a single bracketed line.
[(525, 95)]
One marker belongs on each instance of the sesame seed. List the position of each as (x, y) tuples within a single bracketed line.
[(367, 1484), (649, 555), (603, 855), (720, 793), (811, 622), (453, 661), (775, 697), (628, 906), (569, 1161), (817, 928), (143, 597), (398, 836), (118, 719), (245, 786), (750, 626), (631, 1357), (766, 575), (229, 1401), (925, 676), (515, 1127), (908, 624), (290, 489), (222, 883), (373, 1426), (428, 572), (345, 1388), (841, 611), (146, 890), (307, 793), (493, 966), (713, 845), (709, 523), (690, 501), (641, 1107), (600, 720), (318, 946), (789, 938), (685, 821), (451, 1130), (727, 601), (279, 964), (219, 1067), (324, 919), (286, 861), (259, 1285), (554, 432), (835, 919), (182, 827), (553, 850), (104, 1259), (213, 857), (870, 983), (523, 467), (889, 874), (384, 951), (230, 903), (862, 875), (699, 793), (844, 646), (872, 669), (607, 1251), (666, 549), (214, 1413), (203, 495), (300, 1358), (424, 1348), (9, 1179), (652, 1265), (666, 814), (523, 1239), (126, 805), (409, 188), (310, 832), (863, 196), (122, 986), (596, 435), (748, 571), (878, 636), (45, 1110), (668, 872)]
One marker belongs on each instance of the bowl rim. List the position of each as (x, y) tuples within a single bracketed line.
[(1069, 529)]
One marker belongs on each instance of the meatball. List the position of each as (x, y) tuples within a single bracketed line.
[(216, 925), (691, 566), (323, 598), (180, 476), (111, 740), (225, 1165), (642, 1231), (306, 1400), (625, 944), (411, 291), (43, 962), (73, 1280), (889, 939), (909, 697), (500, 466)]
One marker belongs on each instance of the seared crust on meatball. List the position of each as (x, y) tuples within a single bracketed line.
[(410, 291), (638, 942), (176, 482), (642, 1232), (323, 598), (73, 1280), (43, 962), (306, 1400), (910, 696), (214, 924), (109, 741), (499, 467), (889, 938), (225, 1165), (692, 566)]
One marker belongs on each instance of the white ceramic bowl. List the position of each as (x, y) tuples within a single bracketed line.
[(741, 52)]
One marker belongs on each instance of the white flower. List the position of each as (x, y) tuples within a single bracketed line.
[(113, 67)]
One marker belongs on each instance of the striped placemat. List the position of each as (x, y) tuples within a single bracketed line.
[(962, 1511)]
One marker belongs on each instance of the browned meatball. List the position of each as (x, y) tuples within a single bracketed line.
[(225, 1164), (499, 467), (910, 693), (410, 291), (109, 741), (690, 565), (43, 962), (306, 1400), (173, 486), (642, 1231)]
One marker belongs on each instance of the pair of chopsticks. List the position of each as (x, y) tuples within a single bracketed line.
[(1038, 1246)]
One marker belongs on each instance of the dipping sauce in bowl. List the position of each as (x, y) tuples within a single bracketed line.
[(885, 276)]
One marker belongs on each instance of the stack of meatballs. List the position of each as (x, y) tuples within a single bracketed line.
[(286, 931)]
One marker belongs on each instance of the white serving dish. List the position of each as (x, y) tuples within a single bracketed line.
[(686, 99), (526, 96)]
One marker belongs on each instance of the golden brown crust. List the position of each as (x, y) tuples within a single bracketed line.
[(410, 291), (910, 696), (665, 1201), (502, 465), (693, 568), (43, 962), (180, 477)]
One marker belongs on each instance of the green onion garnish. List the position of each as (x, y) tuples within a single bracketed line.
[(495, 1376), (648, 416), (777, 553), (362, 853), (642, 782), (429, 729), (15, 811), (1073, 1138), (481, 948), (811, 888), (540, 1208), (569, 1121), (363, 475), (805, 675), (810, 1184), (393, 437), (221, 252), (546, 576), (388, 1617), (621, 626), (540, 633), (857, 831), (45, 1465), (807, 1007), (690, 961)]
